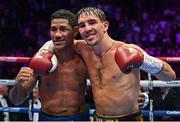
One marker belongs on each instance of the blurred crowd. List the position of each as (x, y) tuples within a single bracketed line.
[(153, 25)]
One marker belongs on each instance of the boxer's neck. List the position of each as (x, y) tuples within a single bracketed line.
[(66, 54), (103, 46)]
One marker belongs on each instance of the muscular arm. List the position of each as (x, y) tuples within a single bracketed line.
[(24, 83), (166, 73), (78, 44), (138, 58)]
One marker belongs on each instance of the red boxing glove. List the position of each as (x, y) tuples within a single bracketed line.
[(127, 58), (43, 61), (130, 57)]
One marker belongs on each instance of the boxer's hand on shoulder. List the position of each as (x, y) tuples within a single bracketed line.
[(25, 74), (127, 58), (43, 61)]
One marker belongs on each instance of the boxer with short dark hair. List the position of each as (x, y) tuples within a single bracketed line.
[(62, 74)]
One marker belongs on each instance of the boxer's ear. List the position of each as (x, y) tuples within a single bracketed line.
[(76, 31), (106, 26)]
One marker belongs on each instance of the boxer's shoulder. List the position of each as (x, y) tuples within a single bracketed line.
[(80, 42), (80, 45)]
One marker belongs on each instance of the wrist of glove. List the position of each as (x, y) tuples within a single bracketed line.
[(48, 46), (54, 63), (151, 64)]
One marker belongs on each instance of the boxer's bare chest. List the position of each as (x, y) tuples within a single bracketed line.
[(103, 69), (67, 74)]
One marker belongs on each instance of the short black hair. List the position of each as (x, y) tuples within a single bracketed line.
[(92, 11), (65, 14)]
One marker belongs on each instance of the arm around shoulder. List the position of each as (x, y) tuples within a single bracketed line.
[(79, 46)]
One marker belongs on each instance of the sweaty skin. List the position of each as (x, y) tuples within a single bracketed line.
[(114, 93), (62, 92)]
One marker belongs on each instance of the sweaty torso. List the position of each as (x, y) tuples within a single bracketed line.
[(62, 92), (115, 93)]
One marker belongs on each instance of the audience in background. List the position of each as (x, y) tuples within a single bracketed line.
[(24, 27), (36, 103), (165, 98), (4, 116)]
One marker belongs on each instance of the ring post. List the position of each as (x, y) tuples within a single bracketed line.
[(151, 114), (30, 110)]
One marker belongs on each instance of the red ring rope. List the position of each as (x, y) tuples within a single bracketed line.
[(170, 59), (27, 59), (14, 59)]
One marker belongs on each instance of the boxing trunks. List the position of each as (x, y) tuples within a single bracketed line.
[(82, 116), (132, 117)]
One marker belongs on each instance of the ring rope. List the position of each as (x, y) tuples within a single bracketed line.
[(144, 112), (27, 59), (17, 109), (158, 83), (155, 83), (9, 82), (170, 59), (14, 59), (161, 113), (144, 83)]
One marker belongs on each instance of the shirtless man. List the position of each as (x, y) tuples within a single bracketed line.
[(65, 97), (114, 68), (61, 91)]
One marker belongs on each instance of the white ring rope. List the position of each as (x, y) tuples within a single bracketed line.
[(144, 83), (7, 82), (155, 83), (158, 83)]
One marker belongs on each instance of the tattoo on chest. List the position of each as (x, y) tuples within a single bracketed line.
[(77, 75)]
